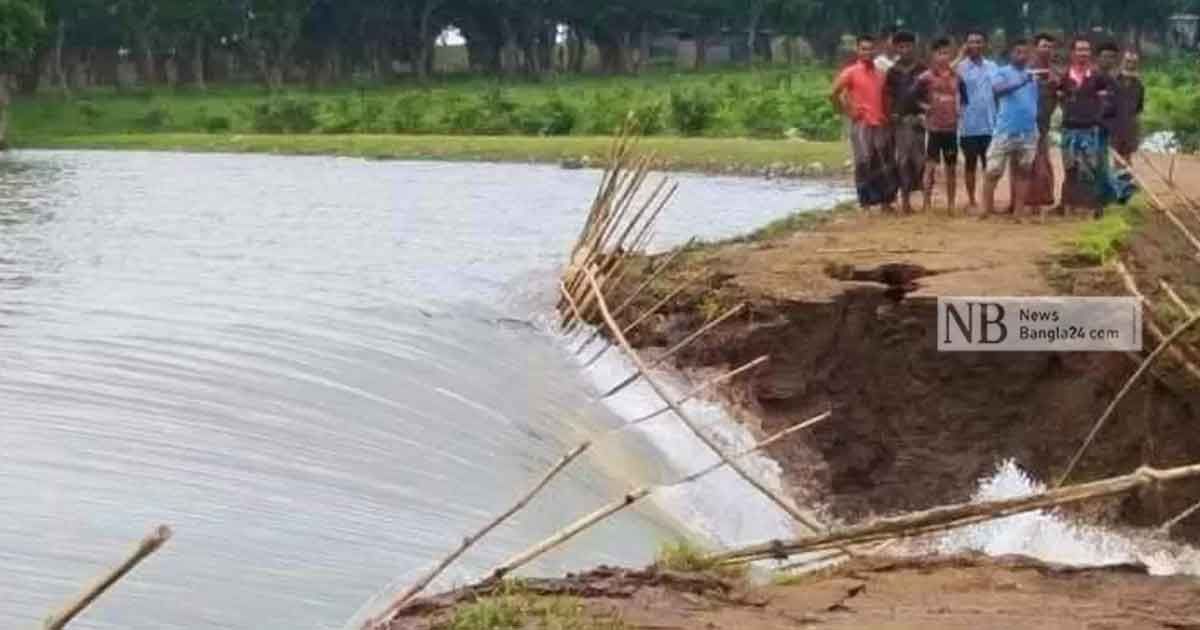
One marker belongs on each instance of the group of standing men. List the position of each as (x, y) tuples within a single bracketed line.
[(907, 118)]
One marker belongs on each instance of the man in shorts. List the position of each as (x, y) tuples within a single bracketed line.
[(1014, 143), (941, 93), (978, 118)]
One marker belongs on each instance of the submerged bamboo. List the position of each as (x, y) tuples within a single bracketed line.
[(148, 545)]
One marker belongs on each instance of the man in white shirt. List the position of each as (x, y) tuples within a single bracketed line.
[(887, 58)]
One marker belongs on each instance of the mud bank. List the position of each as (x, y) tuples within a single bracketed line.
[(847, 312), (872, 594)]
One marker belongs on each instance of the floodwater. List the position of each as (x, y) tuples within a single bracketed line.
[(322, 373)]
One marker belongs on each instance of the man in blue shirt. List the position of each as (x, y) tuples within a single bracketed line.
[(978, 115), (1016, 133)]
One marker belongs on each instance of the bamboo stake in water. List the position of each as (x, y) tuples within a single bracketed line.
[(958, 515), (148, 545), (644, 369), (669, 353), (1112, 407), (420, 585), (582, 524), (620, 310)]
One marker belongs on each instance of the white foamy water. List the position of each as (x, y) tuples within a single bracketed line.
[(1051, 537), (721, 507)]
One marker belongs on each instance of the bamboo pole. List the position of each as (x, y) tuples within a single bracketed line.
[(697, 390), (958, 515), (1174, 297), (148, 545), (589, 520), (629, 301), (1151, 326), (420, 585), (670, 352), (686, 419), (1183, 229), (1169, 181), (1112, 406), (1169, 525), (643, 317)]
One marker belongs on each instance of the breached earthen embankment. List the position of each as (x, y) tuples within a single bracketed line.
[(846, 311)]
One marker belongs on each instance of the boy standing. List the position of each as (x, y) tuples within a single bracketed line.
[(858, 91), (940, 92), (904, 108), (979, 114), (1016, 134)]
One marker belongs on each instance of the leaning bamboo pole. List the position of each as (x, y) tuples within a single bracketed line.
[(643, 317), (587, 521), (1170, 182), (637, 292), (1151, 326), (1166, 210), (1175, 299), (957, 515), (672, 351), (388, 613), (702, 387), (1112, 406), (148, 545), (644, 369)]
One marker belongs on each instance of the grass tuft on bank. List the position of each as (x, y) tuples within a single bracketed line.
[(1102, 240), (515, 608), (684, 556)]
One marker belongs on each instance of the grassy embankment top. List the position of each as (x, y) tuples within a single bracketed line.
[(723, 120)]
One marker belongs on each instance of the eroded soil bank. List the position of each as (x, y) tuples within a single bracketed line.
[(907, 594), (846, 311)]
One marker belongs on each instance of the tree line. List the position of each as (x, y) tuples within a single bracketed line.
[(339, 39)]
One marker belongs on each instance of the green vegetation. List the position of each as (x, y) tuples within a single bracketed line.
[(765, 103), (1100, 241), (515, 608), (685, 557)]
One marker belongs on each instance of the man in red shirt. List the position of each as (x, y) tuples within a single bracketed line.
[(858, 91)]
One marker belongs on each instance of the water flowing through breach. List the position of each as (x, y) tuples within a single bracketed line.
[(321, 371)]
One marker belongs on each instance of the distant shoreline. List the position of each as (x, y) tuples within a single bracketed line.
[(734, 156)]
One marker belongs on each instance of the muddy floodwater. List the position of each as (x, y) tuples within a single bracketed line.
[(322, 372)]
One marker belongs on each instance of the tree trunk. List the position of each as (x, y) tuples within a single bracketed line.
[(701, 51), (148, 69), (576, 50), (643, 60), (60, 74), (4, 100), (756, 11), (198, 47)]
